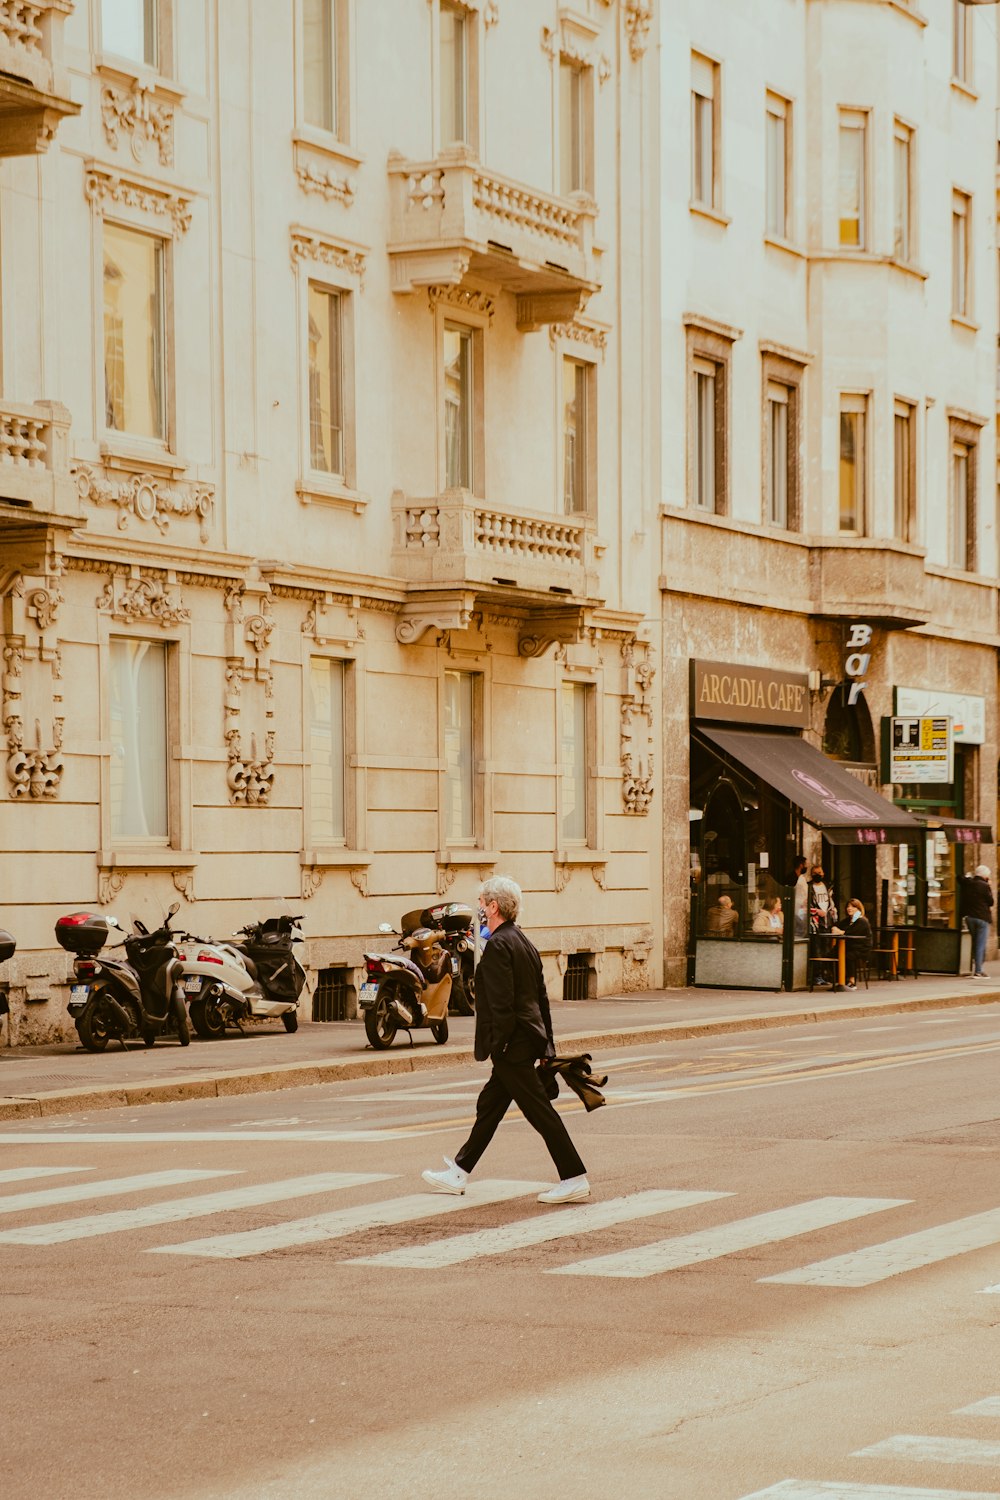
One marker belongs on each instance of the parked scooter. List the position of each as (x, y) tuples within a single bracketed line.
[(407, 990), (138, 997), (259, 978), (459, 940), (7, 948)]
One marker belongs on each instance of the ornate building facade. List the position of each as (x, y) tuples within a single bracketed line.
[(325, 509)]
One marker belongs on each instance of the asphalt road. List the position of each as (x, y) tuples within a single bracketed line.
[(780, 1287)]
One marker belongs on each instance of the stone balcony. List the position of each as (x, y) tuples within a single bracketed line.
[(459, 554), (453, 218), (34, 87), (883, 582), (37, 489)]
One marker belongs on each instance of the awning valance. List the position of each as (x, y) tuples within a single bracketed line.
[(959, 830), (847, 811)]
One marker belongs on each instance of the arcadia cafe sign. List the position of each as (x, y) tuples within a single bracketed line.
[(858, 659)]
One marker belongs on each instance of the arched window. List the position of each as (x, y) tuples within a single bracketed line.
[(847, 732)]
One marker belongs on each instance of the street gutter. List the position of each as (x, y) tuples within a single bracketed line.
[(274, 1077)]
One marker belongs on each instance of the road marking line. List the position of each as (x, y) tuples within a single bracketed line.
[(726, 1239), (176, 1209), (812, 1489), (153, 1137), (991, 1290), (935, 1450), (893, 1257), (26, 1174), (537, 1231), (346, 1221), (114, 1187), (990, 1407)]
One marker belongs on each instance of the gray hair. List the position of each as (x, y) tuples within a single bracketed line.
[(983, 871), (505, 892)]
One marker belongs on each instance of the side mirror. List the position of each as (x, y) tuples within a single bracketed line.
[(385, 927), (172, 912)]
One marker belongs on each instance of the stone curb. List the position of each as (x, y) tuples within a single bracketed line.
[(383, 1064)]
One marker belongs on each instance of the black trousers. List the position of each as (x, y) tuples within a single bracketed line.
[(514, 1080)]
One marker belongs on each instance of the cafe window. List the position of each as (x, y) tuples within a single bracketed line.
[(853, 464)]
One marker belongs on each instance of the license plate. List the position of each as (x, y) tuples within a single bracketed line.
[(367, 997), (192, 984), (78, 997)]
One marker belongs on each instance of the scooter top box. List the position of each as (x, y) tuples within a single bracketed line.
[(82, 932), (7, 945), (453, 916)]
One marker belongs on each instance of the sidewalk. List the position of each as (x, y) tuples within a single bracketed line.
[(63, 1079)]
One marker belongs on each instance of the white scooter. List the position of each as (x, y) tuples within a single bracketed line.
[(259, 978)]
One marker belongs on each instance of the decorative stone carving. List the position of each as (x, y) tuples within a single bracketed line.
[(359, 879), (563, 876), (637, 729), (309, 245), (142, 599), (491, 14), (312, 879), (638, 19), (463, 297), (332, 188), (446, 875), (250, 779), (143, 121), (34, 773), (184, 883), (103, 186), (43, 606), (110, 883), (147, 498), (578, 333), (258, 627)]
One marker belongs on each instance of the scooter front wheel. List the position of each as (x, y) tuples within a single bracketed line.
[(181, 1019), (290, 1020), (439, 1031)]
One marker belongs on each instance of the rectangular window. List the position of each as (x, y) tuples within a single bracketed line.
[(458, 406), (853, 186), (779, 452), (961, 208), (777, 142), (139, 740), (902, 148), (572, 129), (704, 116), (320, 63), (961, 43), (129, 29), (327, 748), (454, 65), (574, 763), (853, 460), (904, 472), (963, 504), (706, 375), (134, 334), (578, 430), (459, 757), (326, 383)]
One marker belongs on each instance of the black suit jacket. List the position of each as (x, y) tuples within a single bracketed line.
[(511, 996)]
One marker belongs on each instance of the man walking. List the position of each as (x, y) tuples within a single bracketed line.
[(513, 1030), (977, 907)]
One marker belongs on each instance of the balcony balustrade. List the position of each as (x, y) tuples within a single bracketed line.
[(453, 218), (35, 479), (34, 87)]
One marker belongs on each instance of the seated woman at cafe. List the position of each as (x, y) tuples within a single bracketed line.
[(722, 919), (859, 939), (770, 920)]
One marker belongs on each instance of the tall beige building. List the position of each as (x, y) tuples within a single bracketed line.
[(828, 406), (325, 472)]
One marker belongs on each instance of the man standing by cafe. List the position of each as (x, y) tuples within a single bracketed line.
[(977, 908)]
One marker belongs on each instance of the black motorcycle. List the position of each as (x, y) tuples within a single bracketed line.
[(459, 941), (121, 1000)]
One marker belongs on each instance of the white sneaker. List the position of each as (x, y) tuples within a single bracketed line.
[(570, 1190), (451, 1180)]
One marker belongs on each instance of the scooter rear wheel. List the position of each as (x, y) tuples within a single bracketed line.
[(207, 1020), (92, 1029), (380, 1027)]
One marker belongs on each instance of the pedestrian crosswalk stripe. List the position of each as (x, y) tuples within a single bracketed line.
[(726, 1239), (878, 1262), (112, 1187), (935, 1450), (346, 1221), (536, 1231), (992, 1290), (989, 1407), (177, 1209), (27, 1174), (818, 1489)]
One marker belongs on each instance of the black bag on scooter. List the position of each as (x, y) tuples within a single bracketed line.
[(277, 969)]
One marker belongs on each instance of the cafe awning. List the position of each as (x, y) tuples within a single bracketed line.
[(847, 811), (958, 830)]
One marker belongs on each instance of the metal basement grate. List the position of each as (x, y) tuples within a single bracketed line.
[(577, 977), (333, 994)]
